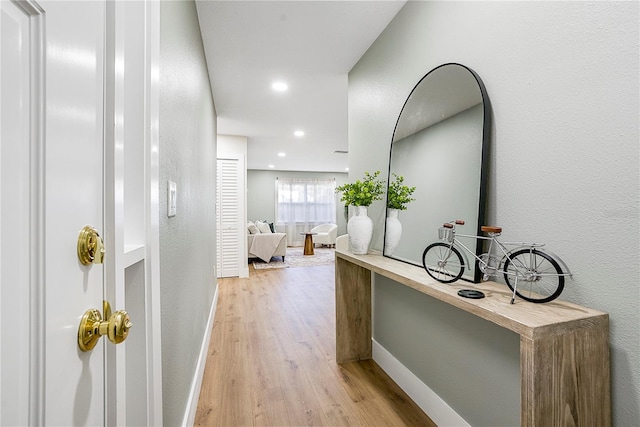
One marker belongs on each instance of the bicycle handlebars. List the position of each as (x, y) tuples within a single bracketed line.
[(450, 224)]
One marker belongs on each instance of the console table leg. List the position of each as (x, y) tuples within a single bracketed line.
[(565, 377), (353, 312)]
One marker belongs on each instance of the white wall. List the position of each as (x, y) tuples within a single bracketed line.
[(232, 146), (187, 240), (563, 81)]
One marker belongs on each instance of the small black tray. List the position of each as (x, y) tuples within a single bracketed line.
[(470, 293)]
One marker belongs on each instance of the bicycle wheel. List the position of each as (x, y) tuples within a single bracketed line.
[(537, 275), (443, 262)]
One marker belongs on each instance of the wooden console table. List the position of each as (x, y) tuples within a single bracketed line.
[(564, 348)]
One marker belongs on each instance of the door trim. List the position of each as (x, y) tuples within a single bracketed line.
[(37, 281), (117, 400), (152, 209)]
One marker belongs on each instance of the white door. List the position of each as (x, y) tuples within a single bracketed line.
[(227, 212), (61, 158), (52, 185)]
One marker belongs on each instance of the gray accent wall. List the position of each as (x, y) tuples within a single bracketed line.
[(469, 362), (187, 240), (261, 193), (563, 79)]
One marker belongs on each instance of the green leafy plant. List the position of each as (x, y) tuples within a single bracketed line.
[(362, 192), (399, 194)]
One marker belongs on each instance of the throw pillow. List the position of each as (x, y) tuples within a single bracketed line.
[(271, 226), (252, 228), (263, 227)]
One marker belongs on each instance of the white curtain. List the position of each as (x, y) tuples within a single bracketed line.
[(303, 203)]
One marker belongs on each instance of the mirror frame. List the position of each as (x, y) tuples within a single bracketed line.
[(484, 166)]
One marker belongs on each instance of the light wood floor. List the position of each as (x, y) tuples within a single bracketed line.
[(271, 360)]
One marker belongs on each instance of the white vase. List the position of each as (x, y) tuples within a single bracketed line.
[(392, 231), (360, 230)]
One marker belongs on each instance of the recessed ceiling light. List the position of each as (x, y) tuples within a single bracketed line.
[(282, 154), (299, 133), (271, 166), (279, 86), (347, 169)]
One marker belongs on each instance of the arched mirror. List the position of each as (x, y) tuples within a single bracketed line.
[(440, 146)]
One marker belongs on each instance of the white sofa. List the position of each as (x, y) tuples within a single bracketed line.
[(325, 234), (263, 244), (266, 245)]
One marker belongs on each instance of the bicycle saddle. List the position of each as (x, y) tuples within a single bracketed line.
[(491, 229)]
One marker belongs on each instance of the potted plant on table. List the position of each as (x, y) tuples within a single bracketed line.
[(398, 196), (360, 194)]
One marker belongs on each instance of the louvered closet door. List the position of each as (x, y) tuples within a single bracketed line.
[(227, 213)]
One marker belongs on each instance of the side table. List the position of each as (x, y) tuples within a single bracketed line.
[(308, 243)]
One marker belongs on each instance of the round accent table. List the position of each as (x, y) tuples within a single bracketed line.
[(308, 243)]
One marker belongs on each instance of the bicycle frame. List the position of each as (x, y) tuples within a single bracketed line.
[(505, 252), (489, 253)]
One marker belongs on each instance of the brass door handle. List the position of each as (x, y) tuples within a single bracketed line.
[(93, 325), (90, 246)]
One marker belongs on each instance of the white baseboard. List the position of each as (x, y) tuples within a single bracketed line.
[(196, 384), (437, 409)]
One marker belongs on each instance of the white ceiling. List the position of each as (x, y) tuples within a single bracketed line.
[(312, 45)]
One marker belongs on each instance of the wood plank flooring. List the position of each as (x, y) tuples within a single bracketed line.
[(271, 360)]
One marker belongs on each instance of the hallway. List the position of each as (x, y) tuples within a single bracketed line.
[(271, 359)]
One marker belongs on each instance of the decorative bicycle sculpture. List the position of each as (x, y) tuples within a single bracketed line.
[(532, 273)]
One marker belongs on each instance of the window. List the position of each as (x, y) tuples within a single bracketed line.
[(306, 202)]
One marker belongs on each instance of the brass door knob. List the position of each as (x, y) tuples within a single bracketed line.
[(92, 326), (90, 246)]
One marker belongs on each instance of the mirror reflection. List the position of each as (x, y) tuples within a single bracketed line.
[(439, 145)]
